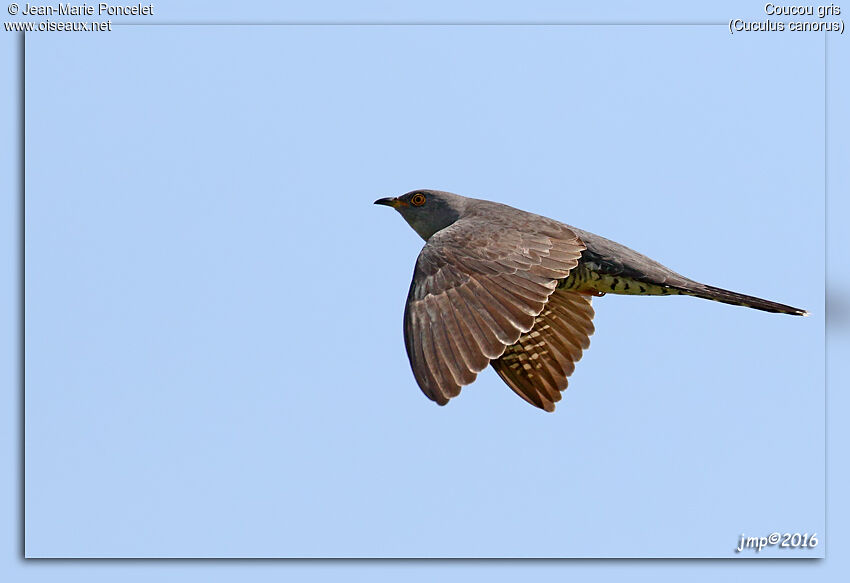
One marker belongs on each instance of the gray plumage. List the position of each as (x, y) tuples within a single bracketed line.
[(498, 286)]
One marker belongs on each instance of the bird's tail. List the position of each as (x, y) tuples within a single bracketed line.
[(717, 294)]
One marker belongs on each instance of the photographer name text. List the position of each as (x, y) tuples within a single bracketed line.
[(100, 9)]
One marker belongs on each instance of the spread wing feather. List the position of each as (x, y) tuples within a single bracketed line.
[(536, 367), (478, 286)]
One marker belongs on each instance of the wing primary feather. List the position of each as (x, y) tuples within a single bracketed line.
[(418, 362), (487, 339), (477, 299), (464, 344), (429, 361), (451, 360), (505, 321)]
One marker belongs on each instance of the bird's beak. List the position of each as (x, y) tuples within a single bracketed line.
[(390, 201)]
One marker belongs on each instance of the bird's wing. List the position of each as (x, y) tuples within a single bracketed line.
[(477, 287), (536, 367)]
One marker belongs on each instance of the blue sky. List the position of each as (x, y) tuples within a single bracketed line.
[(214, 355)]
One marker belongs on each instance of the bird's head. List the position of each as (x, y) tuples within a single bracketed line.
[(427, 211)]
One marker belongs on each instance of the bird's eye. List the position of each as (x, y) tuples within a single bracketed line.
[(417, 199)]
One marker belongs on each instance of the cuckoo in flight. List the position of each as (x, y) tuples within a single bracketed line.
[(500, 286)]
